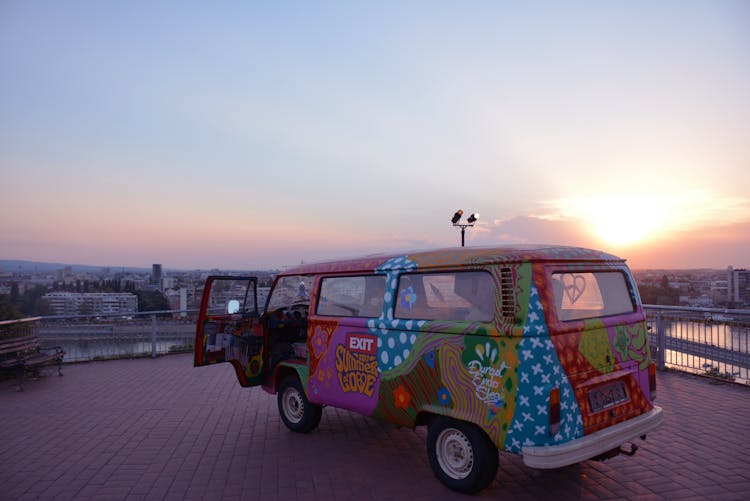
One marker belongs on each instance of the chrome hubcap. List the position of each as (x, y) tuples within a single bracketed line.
[(294, 407), (454, 453)]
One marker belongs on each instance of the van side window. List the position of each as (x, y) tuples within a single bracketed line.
[(360, 296), (468, 295), (581, 295)]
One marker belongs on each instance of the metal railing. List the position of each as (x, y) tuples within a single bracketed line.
[(713, 342), (144, 334), (708, 341)]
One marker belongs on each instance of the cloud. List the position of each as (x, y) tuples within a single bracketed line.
[(676, 210), (710, 245), (533, 230)]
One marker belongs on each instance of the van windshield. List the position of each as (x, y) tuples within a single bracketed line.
[(290, 290), (581, 295)]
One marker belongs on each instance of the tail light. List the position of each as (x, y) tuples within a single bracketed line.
[(652, 380), (554, 411)]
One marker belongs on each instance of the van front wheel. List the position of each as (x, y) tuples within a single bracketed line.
[(461, 455), (297, 413)]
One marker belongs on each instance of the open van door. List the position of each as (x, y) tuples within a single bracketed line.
[(228, 329)]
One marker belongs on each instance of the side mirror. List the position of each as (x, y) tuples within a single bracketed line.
[(233, 306)]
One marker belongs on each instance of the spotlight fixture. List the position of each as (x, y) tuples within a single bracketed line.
[(469, 222), (457, 216)]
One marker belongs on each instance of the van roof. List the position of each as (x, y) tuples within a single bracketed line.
[(456, 256)]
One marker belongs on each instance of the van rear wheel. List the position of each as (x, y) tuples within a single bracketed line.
[(297, 413), (461, 455)]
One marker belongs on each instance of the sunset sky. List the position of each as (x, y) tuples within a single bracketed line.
[(262, 134)]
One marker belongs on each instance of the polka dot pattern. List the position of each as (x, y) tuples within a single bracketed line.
[(395, 341)]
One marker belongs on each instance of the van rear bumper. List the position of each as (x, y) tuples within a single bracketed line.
[(581, 449)]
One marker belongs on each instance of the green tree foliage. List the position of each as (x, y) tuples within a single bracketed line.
[(29, 304), (41, 308), (33, 304), (86, 309), (659, 295), (8, 310), (151, 301)]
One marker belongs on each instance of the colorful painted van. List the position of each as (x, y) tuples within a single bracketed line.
[(534, 350)]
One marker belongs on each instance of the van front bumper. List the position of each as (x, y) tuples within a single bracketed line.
[(589, 446)]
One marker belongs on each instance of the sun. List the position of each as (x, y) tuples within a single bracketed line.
[(619, 227), (638, 218), (620, 220)]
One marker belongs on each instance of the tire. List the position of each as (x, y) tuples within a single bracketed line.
[(297, 413), (461, 455)]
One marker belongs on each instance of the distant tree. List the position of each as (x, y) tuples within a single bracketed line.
[(86, 309), (32, 304), (15, 296), (659, 295), (152, 300), (8, 310), (41, 308), (664, 282)]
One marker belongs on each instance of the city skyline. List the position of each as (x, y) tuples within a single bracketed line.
[(261, 136), (20, 267)]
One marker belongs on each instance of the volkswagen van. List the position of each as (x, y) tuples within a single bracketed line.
[(540, 351)]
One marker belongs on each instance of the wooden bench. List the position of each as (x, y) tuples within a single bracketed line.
[(21, 350)]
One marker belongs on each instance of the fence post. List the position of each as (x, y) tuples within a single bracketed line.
[(153, 336), (661, 341)]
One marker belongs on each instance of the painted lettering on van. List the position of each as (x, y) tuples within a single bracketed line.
[(357, 372), (362, 343), (482, 360), (487, 381)]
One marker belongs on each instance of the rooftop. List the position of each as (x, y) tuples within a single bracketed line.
[(458, 256), (162, 429)]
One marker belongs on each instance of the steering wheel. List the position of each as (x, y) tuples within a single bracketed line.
[(295, 311)]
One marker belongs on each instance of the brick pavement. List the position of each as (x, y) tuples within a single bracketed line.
[(161, 429)]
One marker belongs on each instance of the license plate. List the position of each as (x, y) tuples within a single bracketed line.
[(607, 396)]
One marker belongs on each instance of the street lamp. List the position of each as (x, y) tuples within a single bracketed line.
[(456, 220)]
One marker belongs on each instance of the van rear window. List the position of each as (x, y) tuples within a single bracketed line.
[(581, 295)]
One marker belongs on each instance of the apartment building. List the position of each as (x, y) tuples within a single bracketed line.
[(738, 287), (96, 303)]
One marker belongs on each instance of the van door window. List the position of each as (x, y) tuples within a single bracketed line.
[(286, 318), (468, 296), (352, 296), (580, 295)]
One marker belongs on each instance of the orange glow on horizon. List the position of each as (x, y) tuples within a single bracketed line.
[(629, 219)]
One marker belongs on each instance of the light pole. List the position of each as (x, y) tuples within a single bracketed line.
[(456, 220)]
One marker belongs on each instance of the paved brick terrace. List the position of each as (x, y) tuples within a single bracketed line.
[(161, 429)]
